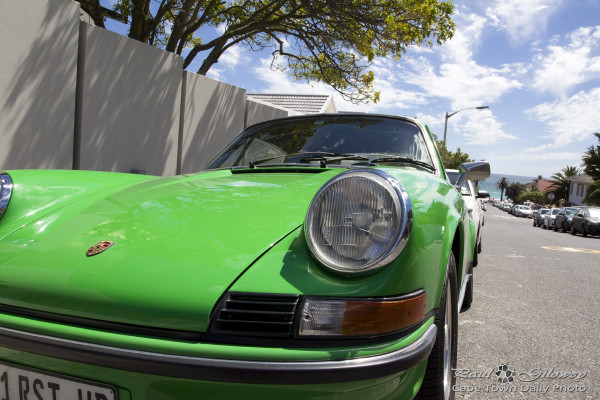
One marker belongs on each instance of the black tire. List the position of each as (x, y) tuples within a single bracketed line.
[(475, 257), (564, 227), (555, 228), (439, 376), (573, 232), (479, 246), (468, 299), (583, 231), (534, 224)]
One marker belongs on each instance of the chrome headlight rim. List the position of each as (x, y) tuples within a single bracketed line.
[(405, 218), (5, 191)]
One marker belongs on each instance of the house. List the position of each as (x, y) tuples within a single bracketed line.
[(578, 188)]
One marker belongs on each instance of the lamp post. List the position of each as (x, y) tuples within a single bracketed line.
[(456, 112)]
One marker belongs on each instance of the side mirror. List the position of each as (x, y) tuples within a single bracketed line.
[(483, 194), (473, 171)]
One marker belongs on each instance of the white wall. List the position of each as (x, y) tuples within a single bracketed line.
[(75, 95), (213, 114), (38, 71), (130, 96)]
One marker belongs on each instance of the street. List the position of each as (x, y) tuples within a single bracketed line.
[(535, 311)]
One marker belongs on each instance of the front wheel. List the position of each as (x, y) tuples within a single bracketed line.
[(564, 227), (573, 230), (583, 231), (439, 376)]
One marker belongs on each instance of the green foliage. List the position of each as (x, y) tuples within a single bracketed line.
[(537, 196), (514, 189), (560, 185), (592, 197), (591, 160), (334, 42), (450, 159), (502, 185)]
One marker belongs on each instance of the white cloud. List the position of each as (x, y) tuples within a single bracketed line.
[(564, 67), (234, 56), (522, 19), (569, 120)]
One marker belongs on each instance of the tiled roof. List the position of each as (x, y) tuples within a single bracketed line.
[(303, 104), (544, 185)]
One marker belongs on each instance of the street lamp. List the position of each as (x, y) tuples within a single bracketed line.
[(456, 112)]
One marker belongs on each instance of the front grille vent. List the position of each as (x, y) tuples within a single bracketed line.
[(256, 314)]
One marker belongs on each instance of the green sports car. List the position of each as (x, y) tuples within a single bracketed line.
[(322, 256)]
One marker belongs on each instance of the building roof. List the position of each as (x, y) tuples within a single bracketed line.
[(544, 185), (583, 178), (299, 103)]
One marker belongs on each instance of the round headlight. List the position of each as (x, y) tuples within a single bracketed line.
[(358, 221)]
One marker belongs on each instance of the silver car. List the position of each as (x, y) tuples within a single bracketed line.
[(548, 222)]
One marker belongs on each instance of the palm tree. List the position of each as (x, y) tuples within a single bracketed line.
[(591, 160), (560, 184), (501, 185)]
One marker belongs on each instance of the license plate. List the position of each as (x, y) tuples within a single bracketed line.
[(17, 382)]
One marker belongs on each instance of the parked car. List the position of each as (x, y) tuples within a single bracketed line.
[(586, 221), (523, 211), (538, 216), (564, 217), (323, 255), (471, 197), (548, 221)]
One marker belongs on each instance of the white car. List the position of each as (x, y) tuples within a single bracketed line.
[(523, 211), (472, 201)]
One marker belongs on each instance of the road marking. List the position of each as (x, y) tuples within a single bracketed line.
[(571, 249)]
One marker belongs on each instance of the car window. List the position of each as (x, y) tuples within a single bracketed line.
[(544, 211), (555, 211)]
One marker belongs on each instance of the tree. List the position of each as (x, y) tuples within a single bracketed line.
[(328, 41), (560, 185), (451, 160), (537, 196), (502, 185), (591, 160), (592, 197), (514, 190)]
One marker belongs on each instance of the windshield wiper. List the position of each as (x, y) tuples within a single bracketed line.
[(330, 157), (322, 156), (404, 160)]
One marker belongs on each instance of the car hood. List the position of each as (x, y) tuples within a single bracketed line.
[(179, 243)]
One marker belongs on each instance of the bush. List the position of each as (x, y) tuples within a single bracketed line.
[(537, 196)]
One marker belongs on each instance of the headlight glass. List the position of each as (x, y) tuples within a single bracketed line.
[(5, 191), (358, 221)]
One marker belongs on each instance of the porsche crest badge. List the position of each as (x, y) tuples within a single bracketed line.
[(99, 248)]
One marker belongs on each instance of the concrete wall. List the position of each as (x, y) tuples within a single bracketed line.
[(130, 96), (38, 70), (73, 95), (257, 111), (213, 114)]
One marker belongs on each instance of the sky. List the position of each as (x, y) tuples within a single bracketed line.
[(534, 63)]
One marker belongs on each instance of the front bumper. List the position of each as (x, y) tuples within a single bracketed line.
[(223, 370), (144, 368)]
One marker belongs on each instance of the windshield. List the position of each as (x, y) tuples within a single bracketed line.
[(555, 211), (544, 211), (571, 211), (332, 138)]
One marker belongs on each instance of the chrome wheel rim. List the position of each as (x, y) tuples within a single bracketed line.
[(448, 344)]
